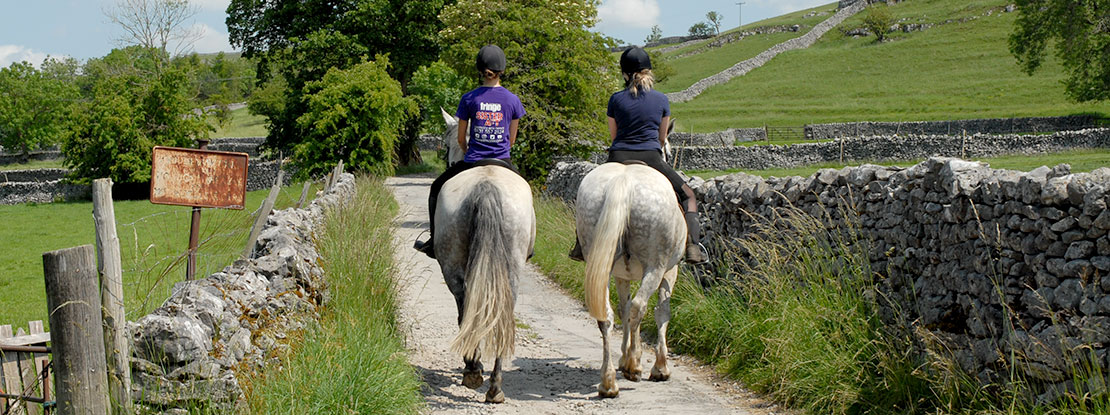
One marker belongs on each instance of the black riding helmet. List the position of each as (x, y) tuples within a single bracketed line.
[(635, 59), (491, 57)]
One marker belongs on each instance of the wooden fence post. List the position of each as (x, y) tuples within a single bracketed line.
[(111, 297), (263, 213), (73, 303), (304, 194)]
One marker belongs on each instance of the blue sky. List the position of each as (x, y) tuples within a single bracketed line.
[(32, 29)]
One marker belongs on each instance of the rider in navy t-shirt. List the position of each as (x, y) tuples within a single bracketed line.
[(638, 119), (489, 115)]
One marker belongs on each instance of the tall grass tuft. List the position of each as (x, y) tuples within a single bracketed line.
[(354, 362)]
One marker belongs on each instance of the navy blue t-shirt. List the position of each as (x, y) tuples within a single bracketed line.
[(638, 119)]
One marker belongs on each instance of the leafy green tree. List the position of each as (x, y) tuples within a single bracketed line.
[(878, 20), (701, 29), (562, 72), (714, 20), (437, 86), (35, 105), (355, 115), (130, 106), (655, 36), (1079, 31), (291, 39)]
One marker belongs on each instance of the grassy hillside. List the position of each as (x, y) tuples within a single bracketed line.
[(712, 60), (954, 70)]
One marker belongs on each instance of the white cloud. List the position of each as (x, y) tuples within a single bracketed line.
[(210, 40), (629, 13), (212, 5), (16, 53)]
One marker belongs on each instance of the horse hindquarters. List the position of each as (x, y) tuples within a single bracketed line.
[(601, 250), (487, 328)]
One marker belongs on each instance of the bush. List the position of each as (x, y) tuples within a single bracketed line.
[(437, 86), (878, 21), (354, 115)]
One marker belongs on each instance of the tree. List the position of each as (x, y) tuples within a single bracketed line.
[(1082, 43), (714, 19), (156, 24), (128, 109), (655, 36), (35, 104), (437, 86), (562, 72), (878, 20), (701, 29), (292, 39), (354, 115)]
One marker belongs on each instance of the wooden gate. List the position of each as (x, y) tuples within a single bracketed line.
[(25, 371)]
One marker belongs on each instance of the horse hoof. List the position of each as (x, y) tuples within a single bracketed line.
[(657, 376), (472, 380), (633, 375), (605, 393), (495, 397)]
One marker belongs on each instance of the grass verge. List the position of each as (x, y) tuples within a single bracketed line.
[(243, 124), (153, 239), (354, 363)]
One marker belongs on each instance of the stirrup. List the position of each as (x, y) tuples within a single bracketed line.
[(576, 253), (696, 254), (427, 247)]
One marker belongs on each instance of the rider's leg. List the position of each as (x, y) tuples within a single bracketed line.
[(695, 253), (428, 247)]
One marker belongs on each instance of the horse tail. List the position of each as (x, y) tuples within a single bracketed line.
[(607, 235), (487, 328)]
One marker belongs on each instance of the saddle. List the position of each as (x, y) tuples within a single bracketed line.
[(497, 162), (631, 162)]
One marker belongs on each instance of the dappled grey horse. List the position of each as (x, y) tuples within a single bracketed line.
[(629, 225), (485, 231)]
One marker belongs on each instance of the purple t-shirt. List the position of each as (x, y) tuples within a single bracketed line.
[(489, 110), (638, 119)]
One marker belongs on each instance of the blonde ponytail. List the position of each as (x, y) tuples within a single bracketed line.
[(641, 82)]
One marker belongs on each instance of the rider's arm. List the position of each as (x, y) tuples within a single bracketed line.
[(663, 124), (462, 134), (612, 129), (512, 130)]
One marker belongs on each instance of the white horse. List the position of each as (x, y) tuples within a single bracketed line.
[(485, 231), (630, 225)]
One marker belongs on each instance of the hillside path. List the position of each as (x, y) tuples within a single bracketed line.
[(558, 353)]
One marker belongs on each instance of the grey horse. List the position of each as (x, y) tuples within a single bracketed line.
[(485, 231), (629, 225)]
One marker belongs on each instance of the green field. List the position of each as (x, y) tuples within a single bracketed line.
[(152, 241), (950, 71), (34, 164), (243, 124), (1080, 160)]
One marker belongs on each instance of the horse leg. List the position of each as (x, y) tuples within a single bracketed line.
[(608, 386), (495, 394), (624, 289), (631, 368), (660, 372), (472, 369)]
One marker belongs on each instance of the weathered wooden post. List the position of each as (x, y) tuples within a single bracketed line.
[(304, 194), (73, 303), (263, 214), (111, 297)]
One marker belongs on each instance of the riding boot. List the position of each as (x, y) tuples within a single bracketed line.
[(428, 247), (576, 252), (695, 252)]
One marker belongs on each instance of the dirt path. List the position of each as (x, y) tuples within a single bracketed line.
[(558, 353)]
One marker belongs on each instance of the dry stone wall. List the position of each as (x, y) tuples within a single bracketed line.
[(881, 148), (190, 352), (951, 128), (1001, 267)]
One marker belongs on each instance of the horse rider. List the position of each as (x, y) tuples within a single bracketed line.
[(491, 114), (638, 117)]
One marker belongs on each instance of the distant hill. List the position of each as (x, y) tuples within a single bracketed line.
[(948, 60)]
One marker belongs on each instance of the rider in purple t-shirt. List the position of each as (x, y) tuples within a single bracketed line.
[(490, 114)]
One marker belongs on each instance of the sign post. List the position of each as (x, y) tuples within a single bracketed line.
[(198, 178)]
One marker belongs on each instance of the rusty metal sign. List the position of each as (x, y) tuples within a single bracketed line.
[(199, 178)]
